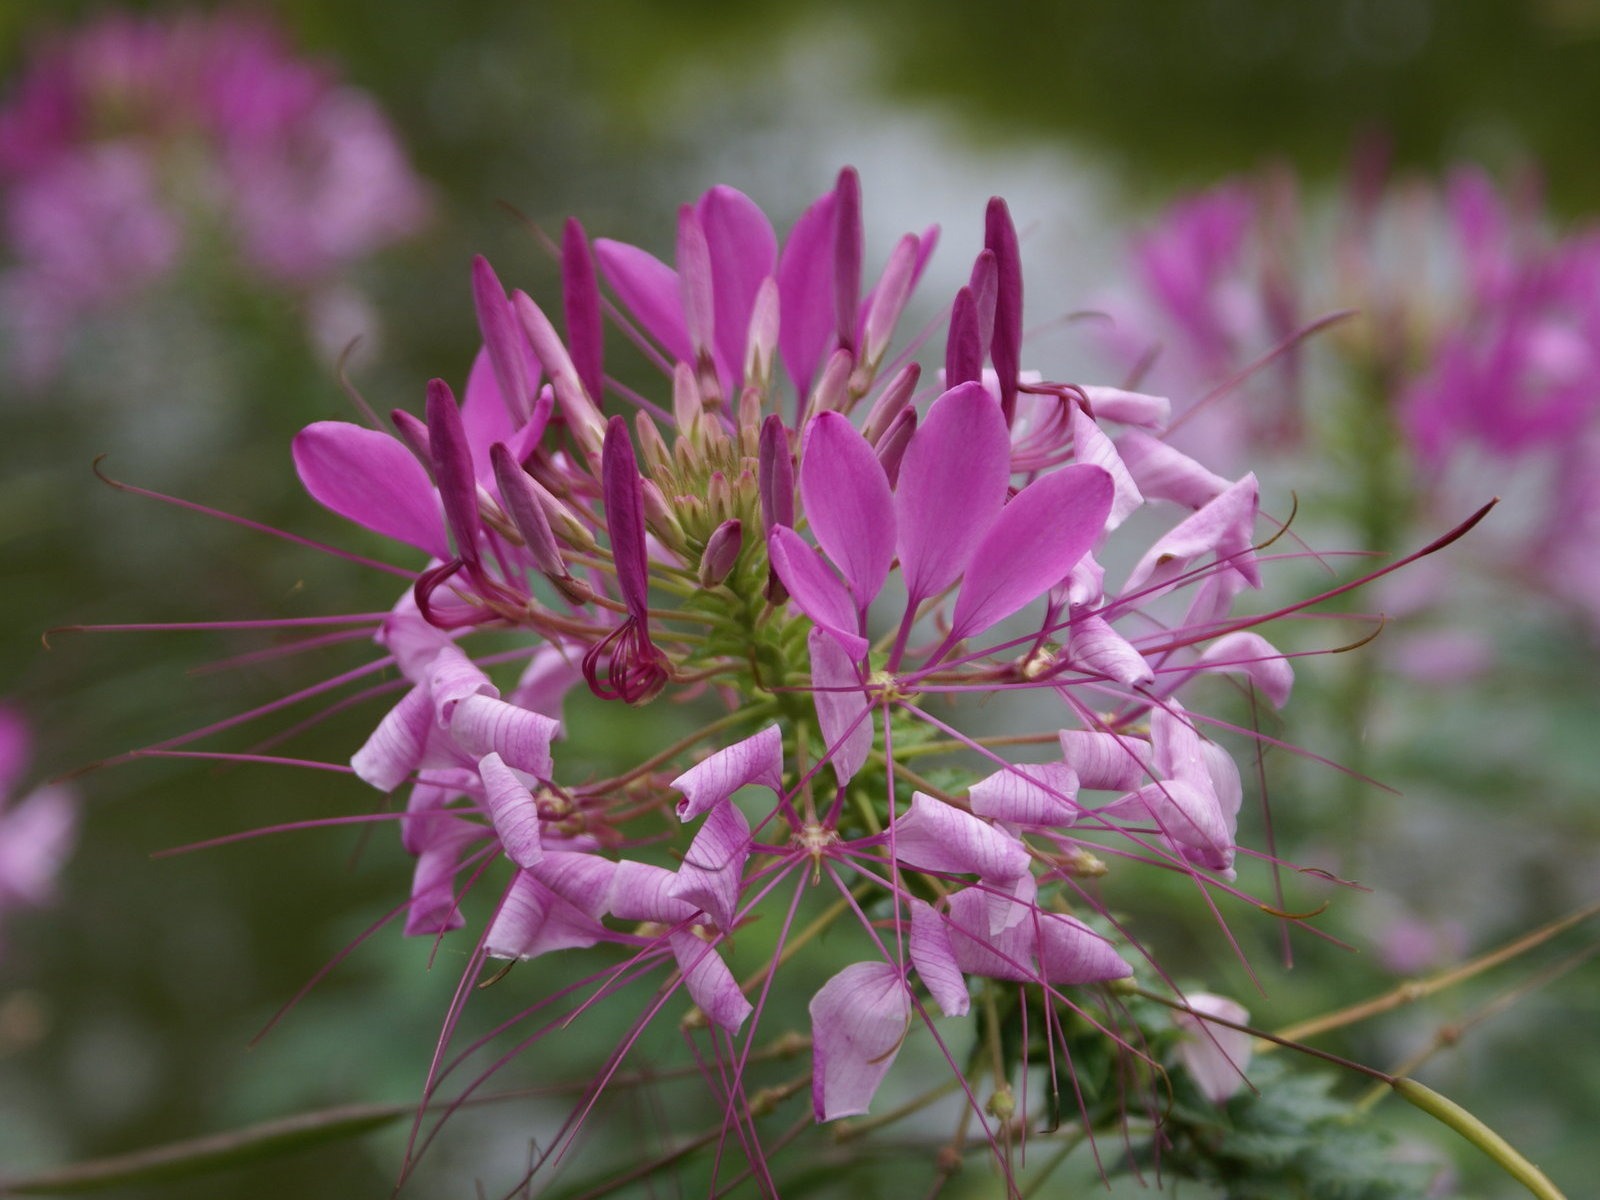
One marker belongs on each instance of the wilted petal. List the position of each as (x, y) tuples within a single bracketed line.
[(513, 811), (848, 503), (1214, 1055), (1091, 445), (841, 703), (1038, 537), (1164, 473), (709, 982), (951, 488), (815, 589), (648, 289), (370, 478), (757, 760), (935, 961), (1034, 794), (1095, 646), (1224, 527), (935, 836), (712, 872), (1251, 655), (482, 725), (1108, 762), (858, 1020), (396, 746)]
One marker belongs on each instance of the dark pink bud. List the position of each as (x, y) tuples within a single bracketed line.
[(522, 504), (985, 285), (721, 552), (452, 468), (580, 294), (892, 446), (624, 500), (503, 338), (1005, 351), (963, 349), (895, 396), (776, 475), (847, 255), (414, 434)]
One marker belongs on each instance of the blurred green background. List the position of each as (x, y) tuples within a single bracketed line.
[(126, 1012)]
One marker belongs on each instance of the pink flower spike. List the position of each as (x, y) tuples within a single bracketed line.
[(935, 961), (757, 760), (482, 725), (624, 502), (502, 337), (1037, 539), (368, 477), (1005, 348), (1215, 1056), (951, 488), (848, 250), (775, 475), (1251, 655), (841, 704), (858, 1020), (935, 836), (744, 252), (648, 289), (580, 305), (815, 589), (1163, 473), (452, 468), (1107, 762), (513, 811), (1039, 795), (712, 871), (709, 982), (848, 502)]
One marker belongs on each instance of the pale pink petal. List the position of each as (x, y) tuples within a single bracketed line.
[(712, 872), (648, 289), (372, 479), (1006, 954), (848, 503), (1107, 761), (858, 1020), (1223, 527), (1071, 952), (758, 760), (427, 802), (709, 982), (36, 836), (513, 811), (452, 677), (1164, 473), (548, 677), (1226, 785), (1094, 646), (1128, 408), (481, 725), (433, 906), (935, 836), (396, 746), (815, 589), (1251, 655), (935, 961), (951, 487), (841, 703), (534, 919), (1091, 445), (1186, 813), (1038, 538), (643, 892), (1034, 794), (1214, 1055)]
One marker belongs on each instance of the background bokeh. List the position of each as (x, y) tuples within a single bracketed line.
[(127, 1011)]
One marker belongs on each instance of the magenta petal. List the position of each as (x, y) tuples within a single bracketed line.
[(580, 304), (935, 961), (648, 289), (396, 746), (548, 677), (858, 1020), (712, 872), (744, 252), (504, 342), (964, 345), (1071, 952), (805, 291), (815, 589), (483, 412), (1006, 953), (481, 725), (848, 249), (709, 982), (1005, 349), (513, 811), (889, 298), (935, 836), (757, 760), (841, 702), (624, 501), (1034, 794), (695, 283), (848, 503), (1253, 656), (1107, 762), (370, 478), (1214, 1055), (453, 469), (775, 474), (951, 488), (1035, 542), (892, 445)]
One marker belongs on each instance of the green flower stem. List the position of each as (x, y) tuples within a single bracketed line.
[(1448, 1112)]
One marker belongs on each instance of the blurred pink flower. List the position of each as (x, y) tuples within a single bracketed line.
[(36, 832)]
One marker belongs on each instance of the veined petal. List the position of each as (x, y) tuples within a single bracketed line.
[(1071, 952), (1110, 762), (396, 746), (709, 982), (848, 503), (482, 725), (452, 676), (648, 289), (513, 811), (433, 908), (370, 478), (935, 961), (1033, 794), (534, 919), (858, 1020), (1215, 1056), (758, 760), (712, 872), (549, 676), (1186, 813), (815, 589), (1095, 646), (1250, 654), (643, 892), (1223, 527), (1091, 445), (744, 251), (951, 488), (1164, 473), (935, 836), (1006, 954), (1033, 544), (841, 703)]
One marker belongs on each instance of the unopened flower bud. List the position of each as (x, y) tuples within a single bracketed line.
[(892, 446), (721, 552), (652, 446), (895, 396)]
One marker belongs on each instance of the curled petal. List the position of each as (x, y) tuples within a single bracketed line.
[(451, 677), (1128, 408), (1223, 527), (1091, 445), (535, 919), (712, 872), (1108, 762), (481, 725), (513, 811), (644, 892), (1095, 646), (848, 503), (935, 961), (1164, 473), (815, 589), (1250, 654), (1033, 794), (858, 1020), (370, 478), (396, 746), (1187, 814), (758, 760), (935, 836), (841, 703), (708, 981)]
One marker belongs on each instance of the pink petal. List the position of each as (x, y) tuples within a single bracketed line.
[(775, 474), (1223, 527), (709, 982), (1107, 761), (534, 919), (964, 345), (452, 676), (453, 469), (744, 252), (805, 288), (858, 1020), (1093, 645), (848, 503), (580, 304), (841, 703), (1214, 1055), (370, 478), (1164, 473), (625, 526), (548, 677), (712, 872), (513, 811), (396, 746), (1035, 794), (504, 343), (1004, 954), (1038, 537), (1128, 408), (648, 289), (889, 298), (481, 725), (757, 760), (1005, 348), (1091, 445), (695, 285), (433, 908), (643, 892), (935, 961), (36, 836), (1251, 655), (847, 254), (935, 836), (1071, 952), (1187, 814), (951, 488), (815, 589)]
